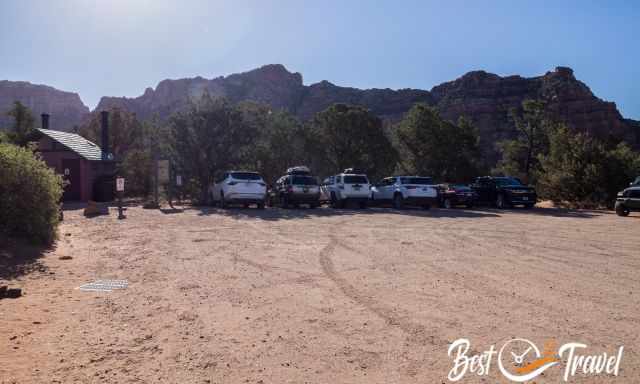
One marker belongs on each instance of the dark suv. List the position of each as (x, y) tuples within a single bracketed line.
[(504, 192), (628, 200), (297, 187)]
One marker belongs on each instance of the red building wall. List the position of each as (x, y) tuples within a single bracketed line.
[(53, 154)]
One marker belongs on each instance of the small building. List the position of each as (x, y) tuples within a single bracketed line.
[(88, 169)]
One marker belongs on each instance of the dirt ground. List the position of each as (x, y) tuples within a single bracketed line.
[(319, 296)]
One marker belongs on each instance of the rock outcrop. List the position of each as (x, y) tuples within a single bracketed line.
[(484, 98), (66, 108)]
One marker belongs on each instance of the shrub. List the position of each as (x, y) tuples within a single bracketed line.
[(29, 195)]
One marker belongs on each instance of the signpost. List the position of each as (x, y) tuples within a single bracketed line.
[(120, 191)]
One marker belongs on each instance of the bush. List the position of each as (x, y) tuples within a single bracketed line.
[(29, 195)]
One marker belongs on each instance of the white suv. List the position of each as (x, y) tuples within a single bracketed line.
[(346, 187), (405, 190), (237, 187)]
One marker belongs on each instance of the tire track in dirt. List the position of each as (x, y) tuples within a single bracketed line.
[(417, 332)]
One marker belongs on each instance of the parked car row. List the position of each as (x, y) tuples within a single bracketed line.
[(628, 200), (352, 187)]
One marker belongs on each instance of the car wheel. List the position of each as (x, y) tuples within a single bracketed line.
[(447, 203), (284, 201), (223, 203), (334, 201), (500, 202), (398, 202), (469, 206), (260, 205), (426, 207), (622, 211), (528, 206), (363, 205)]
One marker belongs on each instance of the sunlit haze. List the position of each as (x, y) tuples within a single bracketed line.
[(120, 47)]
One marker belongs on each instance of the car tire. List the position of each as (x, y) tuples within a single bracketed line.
[(426, 207), (223, 203), (260, 205), (313, 206), (363, 205), (447, 203), (469, 206), (501, 202), (334, 201), (528, 206), (284, 202), (622, 211), (398, 202)]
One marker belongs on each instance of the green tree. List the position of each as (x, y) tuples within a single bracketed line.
[(280, 145), (30, 192), (572, 171), (211, 136), (344, 136), (22, 130), (520, 155), (434, 147)]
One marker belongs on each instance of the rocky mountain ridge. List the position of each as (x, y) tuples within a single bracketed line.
[(66, 108), (483, 97)]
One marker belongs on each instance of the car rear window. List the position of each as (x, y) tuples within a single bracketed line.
[(355, 180), (416, 180), (502, 181), (246, 176), (304, 180)]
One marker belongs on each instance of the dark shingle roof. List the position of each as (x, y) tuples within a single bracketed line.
[(76, 143)]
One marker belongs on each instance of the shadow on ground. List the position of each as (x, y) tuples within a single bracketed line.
[(17, 258), (274, 214)]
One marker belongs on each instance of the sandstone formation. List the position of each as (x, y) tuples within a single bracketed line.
[(66, 108), (482, 97)]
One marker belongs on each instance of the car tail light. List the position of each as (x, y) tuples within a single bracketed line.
[(290, 189), (450, 190), (231, 183)]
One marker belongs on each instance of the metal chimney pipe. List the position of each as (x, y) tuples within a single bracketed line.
[(45, 120), (105, 132)]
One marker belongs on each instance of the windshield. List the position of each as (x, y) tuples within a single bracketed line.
[(355, 180), (304, 180), (503, 181), (416, 180), (246, 176)]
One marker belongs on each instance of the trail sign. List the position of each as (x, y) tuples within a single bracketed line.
[(120, 184), (163, 171)]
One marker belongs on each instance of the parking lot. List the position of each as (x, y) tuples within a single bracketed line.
[(319, 296)]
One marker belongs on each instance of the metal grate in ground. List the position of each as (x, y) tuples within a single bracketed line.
[(104, 285)]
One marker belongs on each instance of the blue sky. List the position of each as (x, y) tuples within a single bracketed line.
[(120, 47)]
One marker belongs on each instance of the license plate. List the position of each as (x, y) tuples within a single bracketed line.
[(424, 189), (525, 198), (305, 190)]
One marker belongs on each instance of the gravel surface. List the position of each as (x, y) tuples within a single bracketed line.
[(319, 296)]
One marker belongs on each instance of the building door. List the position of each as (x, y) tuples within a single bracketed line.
[(71, 174)]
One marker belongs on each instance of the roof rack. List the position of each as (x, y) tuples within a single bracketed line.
[(299, 170), (354, 171)]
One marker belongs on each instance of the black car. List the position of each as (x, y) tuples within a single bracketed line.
[(628, 201), (504, 192), (297, 187), (452, 195)]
